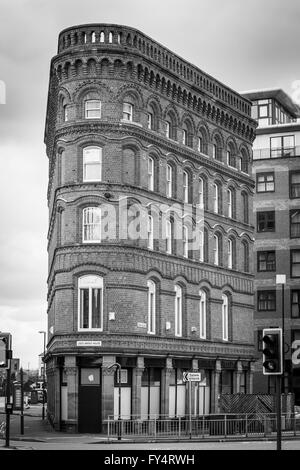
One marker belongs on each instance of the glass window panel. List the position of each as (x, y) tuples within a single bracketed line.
[(275, 142), (84, 308), (96, 308), (288, 141), (263, 111)]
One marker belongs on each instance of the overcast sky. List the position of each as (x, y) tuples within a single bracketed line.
[(247, 44)]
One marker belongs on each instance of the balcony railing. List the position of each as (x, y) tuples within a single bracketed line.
[(282, 152)]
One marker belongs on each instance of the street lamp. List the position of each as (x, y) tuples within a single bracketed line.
[(44, 333), (119, 388), (281, 279)]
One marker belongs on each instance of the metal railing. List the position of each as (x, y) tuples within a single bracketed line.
[(206, 426), (281, 152)]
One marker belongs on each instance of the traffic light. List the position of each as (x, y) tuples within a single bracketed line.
[(272, 351), (5, 345)]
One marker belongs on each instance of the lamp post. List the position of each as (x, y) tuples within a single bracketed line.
[(281, 279), (119, 388), (43, 412)]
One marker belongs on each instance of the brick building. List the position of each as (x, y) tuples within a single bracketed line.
[(129, 120), (276, 169)]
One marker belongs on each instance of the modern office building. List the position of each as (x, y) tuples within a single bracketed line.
[(276, 169), (134, 130)]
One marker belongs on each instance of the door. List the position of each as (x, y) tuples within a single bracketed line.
[(89, 401)]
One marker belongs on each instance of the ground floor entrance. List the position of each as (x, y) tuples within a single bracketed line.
[(84, 392)]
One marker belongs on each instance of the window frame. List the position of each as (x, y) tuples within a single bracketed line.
[(265, 182), (202, 314), (150, 173), (225, 317), (293, 225), (291, 185), (169, 180), (267, 300), (292, 252), (151, 302), (128, 113), (293, 291), (86, 110), (266, 222), (266, 253), (84, 284), (85, 164), (84, 224), (178, 312)]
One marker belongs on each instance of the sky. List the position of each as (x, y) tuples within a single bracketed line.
[(246, 44)]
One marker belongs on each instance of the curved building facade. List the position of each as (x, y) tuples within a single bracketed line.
[(145, 151)]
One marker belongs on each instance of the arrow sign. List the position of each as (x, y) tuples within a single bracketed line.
[(191, 377)]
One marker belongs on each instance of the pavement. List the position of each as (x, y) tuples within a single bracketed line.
[(39, 435)]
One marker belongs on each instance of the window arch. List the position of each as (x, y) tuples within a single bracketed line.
[(92, 163), (178, 310), (203, 192), (91, 225), (202, 314), (151, 322), (90, 303)]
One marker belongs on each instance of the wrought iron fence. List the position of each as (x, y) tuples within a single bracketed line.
[(207, 426)]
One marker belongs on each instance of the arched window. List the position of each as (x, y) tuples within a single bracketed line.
[(245, 256), (178, 311), (92, 163), (202, 314), (217, 148), (217, 206), (152, 117), (93, 36), (245, 208), (231, 203), (150, 174), (169, 236), (170, 126), (127, 111), (91, 226), (205, 246), (102, 36), (244, 161), (185, 242), (92, 109), (225, 318), (217, 248), (201, 192), (231, 156), (90, 303), (150, 232), (169, 181), (61, 161), (186, 186), (201, 245), (151, 307), (187, 136), (202, 141), (231, 253), (65, 113)]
